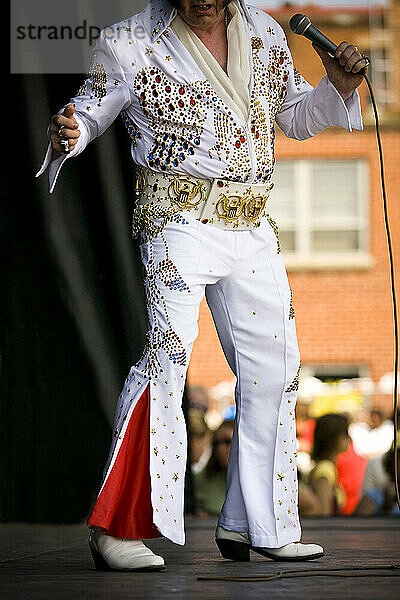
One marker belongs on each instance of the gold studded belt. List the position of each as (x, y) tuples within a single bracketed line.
[(220, 202)]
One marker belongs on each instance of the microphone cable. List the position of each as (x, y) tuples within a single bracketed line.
[(393, 287)]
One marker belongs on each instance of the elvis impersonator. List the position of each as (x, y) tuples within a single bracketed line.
[(200, 90)]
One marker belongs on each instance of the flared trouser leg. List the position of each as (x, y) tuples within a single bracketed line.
[(254, 318), (142, 493)]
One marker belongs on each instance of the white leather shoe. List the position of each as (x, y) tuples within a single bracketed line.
[(293, 551), (119, 554), (236, 545)]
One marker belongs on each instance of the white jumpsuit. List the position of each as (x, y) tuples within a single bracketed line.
[(178, 123)]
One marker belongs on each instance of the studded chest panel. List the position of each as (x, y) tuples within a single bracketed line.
[(270, 75), (176, 116), (184, 117)]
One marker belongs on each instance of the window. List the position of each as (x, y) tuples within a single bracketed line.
[(334, 372), (321, 210)]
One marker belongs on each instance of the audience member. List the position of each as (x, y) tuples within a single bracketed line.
[(304, 425), (330, 439), (379, 496), (373, 438), (200, 440), (351, 471), (198, 398), (304, 434), (309, 504), (210, 483)]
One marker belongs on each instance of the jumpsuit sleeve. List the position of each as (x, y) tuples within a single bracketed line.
[(307, 111), (102, 96)]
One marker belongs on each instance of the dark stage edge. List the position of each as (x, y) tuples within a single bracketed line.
[(53, 562)]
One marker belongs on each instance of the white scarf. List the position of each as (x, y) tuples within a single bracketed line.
[(231, 87)]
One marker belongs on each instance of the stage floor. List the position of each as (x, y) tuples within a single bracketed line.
[(53, 562)]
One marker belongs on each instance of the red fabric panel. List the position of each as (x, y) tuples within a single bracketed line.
[(123, 509), (351, 470)]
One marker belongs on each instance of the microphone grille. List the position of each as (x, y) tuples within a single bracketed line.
[(299, 23)]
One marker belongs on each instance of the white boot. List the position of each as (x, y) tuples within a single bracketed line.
[(119, 554), (237, 545)]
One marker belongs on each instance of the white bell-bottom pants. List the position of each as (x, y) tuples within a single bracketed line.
[(243, 277)]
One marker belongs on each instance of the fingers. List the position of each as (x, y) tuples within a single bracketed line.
[(66, 132), (64, 127), (60, 120), (60, 132), (350, 58), (72, 141), (69, 110), (59, 148), (323, 54)]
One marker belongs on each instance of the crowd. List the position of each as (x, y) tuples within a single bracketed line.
[(345, 463)]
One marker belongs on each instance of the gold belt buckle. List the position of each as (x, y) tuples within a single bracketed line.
[(254, 207), (231, 207), (183, 191)]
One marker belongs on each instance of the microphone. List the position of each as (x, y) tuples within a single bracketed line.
[(302, 25)]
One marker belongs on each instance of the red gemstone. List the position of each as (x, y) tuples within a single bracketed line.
[(204, 221), (181, 91), (242, 139), (220, 184), (237, 144)]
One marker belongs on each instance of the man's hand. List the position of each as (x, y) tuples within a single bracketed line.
[(67, 126), (344, 73)]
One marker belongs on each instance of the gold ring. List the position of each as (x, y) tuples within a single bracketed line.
[(65, 145), (367, 60)]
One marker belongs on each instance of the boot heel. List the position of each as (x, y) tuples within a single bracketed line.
[(99, 561), (233, 550)]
